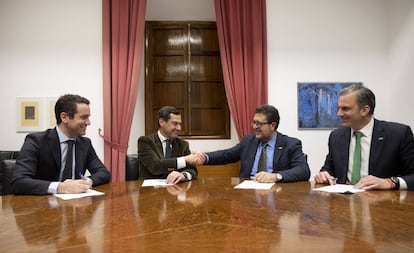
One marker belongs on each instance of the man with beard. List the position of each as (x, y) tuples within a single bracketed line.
[(266, 155)]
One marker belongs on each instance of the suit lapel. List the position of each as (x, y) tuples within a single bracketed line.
[(279, 146), (54, 146), (158, 145), (81, 152), (377, 144), (344, 140), (251, 152)]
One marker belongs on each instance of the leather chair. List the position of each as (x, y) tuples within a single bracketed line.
[(132, 167), (6, 171), (7, 162)]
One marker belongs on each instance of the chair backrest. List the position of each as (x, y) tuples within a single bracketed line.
[(8, 155), (6, 167), (131, 167)]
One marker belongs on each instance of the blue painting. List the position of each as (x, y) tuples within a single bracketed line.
[(318, 105)]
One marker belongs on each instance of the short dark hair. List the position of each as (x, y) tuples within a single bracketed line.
[(364, 96), (272, 114), (164, 113), (68, 103)]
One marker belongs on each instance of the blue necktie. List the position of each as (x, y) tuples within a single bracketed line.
[(167, 148)]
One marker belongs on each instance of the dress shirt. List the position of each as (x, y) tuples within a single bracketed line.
[(269, 156), (180, 160), (63, 147), (365, 148), (365, 152)]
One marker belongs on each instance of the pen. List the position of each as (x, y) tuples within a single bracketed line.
[(83, 177), (334, 179)]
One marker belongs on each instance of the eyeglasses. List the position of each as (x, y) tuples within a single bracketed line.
[(259, 124)]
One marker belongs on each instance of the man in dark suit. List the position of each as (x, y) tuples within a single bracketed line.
[(40, 166), (163, 154), (284, 160), (386, 157)]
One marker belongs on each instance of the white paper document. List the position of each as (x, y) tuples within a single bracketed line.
[(252, 184), (339, 188), (90, 192), (155, 182)]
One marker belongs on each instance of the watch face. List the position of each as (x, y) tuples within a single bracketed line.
[(279, 177)]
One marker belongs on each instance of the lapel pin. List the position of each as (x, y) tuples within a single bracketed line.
[(280, 147), (380, 138)]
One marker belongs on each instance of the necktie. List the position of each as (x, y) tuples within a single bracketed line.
[(167, 148), (356, 167), (263, 157), (67, 172)]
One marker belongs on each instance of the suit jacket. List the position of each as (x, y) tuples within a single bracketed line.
[(152, 163), (391, 153), (39, 163), (288, 159)]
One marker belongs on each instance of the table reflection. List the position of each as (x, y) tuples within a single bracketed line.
[(209, 215), (55, 221)]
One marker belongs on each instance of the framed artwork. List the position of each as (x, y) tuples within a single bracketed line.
[(318, 104), (50, 112), (29, 114)]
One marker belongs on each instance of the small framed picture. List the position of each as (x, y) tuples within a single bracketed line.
[(318, 104), (29, 114), (50, 112)]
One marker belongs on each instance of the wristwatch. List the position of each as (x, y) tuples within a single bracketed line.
[(396, 181), (186, 176), (279, 177)]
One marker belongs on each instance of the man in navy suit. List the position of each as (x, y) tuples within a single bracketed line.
[(285, 160), (40, 165), (387, 148)]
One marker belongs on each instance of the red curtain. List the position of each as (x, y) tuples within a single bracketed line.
[(123, 38), (241, 27)]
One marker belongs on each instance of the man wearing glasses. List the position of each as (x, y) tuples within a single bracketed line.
[(266, 155)]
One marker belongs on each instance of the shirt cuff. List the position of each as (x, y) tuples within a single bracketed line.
[(53, 188), (181, 162)]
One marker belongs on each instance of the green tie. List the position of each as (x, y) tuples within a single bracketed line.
[(356, 167)]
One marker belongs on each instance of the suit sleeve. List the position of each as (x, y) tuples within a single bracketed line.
[(225, 156), (298, 169), (26, 169), (407, 158), (99, 173), (189, 168), (329, 161)]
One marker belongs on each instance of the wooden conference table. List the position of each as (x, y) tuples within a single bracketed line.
[(209, 215)]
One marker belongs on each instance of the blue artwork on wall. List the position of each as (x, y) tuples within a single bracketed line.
[(318, 105)]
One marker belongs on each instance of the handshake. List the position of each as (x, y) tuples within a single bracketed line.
[(195, 158)]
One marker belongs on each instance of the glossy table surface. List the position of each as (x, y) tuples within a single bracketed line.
[(209, 215)]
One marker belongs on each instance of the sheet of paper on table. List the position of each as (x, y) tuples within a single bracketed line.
[(155, 182), (339, 188), (90, 192), (252, 184)]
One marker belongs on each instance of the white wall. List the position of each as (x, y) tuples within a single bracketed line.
[(50, 47), (401, 61)]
